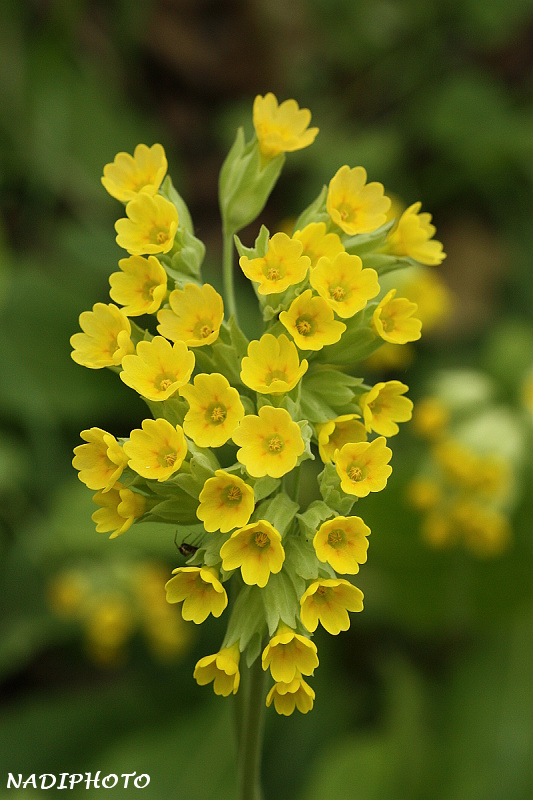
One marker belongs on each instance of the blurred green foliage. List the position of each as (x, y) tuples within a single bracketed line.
[(430, 694)]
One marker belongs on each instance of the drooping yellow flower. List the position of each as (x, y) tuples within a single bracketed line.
[(140, 286), (215, 410), (486, 531), (337, 432), (281, 128), (150, 226), (194, 317), (272, 365), (270, 443), (430, 417), (222, 669), (424, 493), (355, 205), (413, 235), (393, 319), (363, 467), (226, 502), (156, 451), (101, 461), (317, 243), (288, 653), (344, 284), (105, 339), (120, 507), (288, 696), (128, 175), (434, 299), (328, 602), (311, 323), (342, 543), (383, 406), (200, 590), (256, 549), (158, 369), (283, 265)]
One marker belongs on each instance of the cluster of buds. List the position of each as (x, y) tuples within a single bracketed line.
[(234, 420)]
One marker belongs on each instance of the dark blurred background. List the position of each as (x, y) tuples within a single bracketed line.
[(430, 693)]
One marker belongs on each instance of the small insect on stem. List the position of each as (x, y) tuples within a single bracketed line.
[(185, 548)]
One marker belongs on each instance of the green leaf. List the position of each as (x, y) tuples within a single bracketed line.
[(170, 193), (263, 487), (385, 263), (330, 488), (316, 513), (300, 557), (247, 617), (280, 601), (188, 259), (363, 243), (280, 511), (315, 212), (260, 247)]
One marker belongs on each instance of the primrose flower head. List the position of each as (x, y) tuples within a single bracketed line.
[(342, 543), (256, 549), (363, 467), (194, 317), (393, 319), (310, 322), (281, 128), (226, 502), (221, 669), (337, 432), (200, 591), (384, 405), (344, 284), (289, 653), (317, 243), (283, 265), (288, 696), (158, 369), (101, 461), (119, 508), (328, 601), (270, 443), (272, 365), (150, 225), (355, 205), (215, 410), (105, 339), (413, 237), (128, 175), (140, 286), (157, 450)]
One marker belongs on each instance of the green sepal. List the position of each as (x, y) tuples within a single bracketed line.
[(260, 247), (173, 409), (211, 548), (307, 435), (170, 193), (178, 508), (203, 466), (383, 263), (273, 304), (315, 212), (329, 484), (316, 513), (280, 511), (314, 408), (263, 487), (301, 560), (254, 649), (357, 342), (327, 393), (247, 618), (363, 243), (187, 258), (281, 599), (228, 352)]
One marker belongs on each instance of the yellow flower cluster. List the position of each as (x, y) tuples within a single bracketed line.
[(234, 421)]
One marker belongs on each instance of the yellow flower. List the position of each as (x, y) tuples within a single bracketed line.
[(438, 530), (105, 339), (281, 128), (156, 451), (101, 461), (311, 323), (283, 265), (393, 319), (486, 531), (337, 432), (317, 243), (344, 284), (272, 365), (270, 443), (226, 502), (355, 205), (363, 467), (215, 410), (140, 287), (158, 369), (67, 591), (256, 549), (383, 406), (222, 668), (120, 507), (342, 543), (288, 654), (128, 175), (488, 474), (288, 696), (150, 227), (413, 237), (430, 417), (200, 590), (194, 317), (423, 493), (328, 602), (433, 298)]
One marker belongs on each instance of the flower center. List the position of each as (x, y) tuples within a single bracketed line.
[(335, 537), (321, 591), (275, 375), (337, 293), (303, 326), (261, 539), (164, 380), (165, 384), (170, 459), (275, 444), (234, 494), (162, 237), (205, 331), (387, 322), (355, 474), (148, 290), (273, 274), (218, 414)]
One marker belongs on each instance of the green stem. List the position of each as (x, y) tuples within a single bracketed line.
[(227, 273), (251, 731)]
